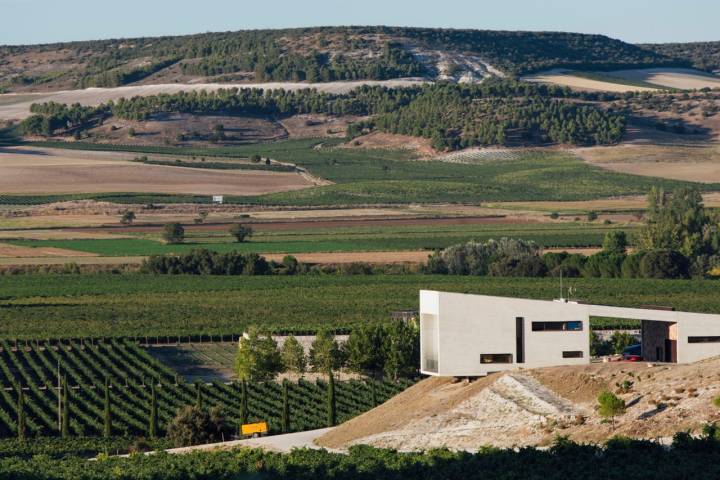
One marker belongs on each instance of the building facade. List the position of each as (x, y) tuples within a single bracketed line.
[(473, 335)]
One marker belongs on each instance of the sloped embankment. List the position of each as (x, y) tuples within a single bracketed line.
[(532, 407)]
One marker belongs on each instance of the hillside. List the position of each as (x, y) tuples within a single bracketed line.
[(533, 407), (312, 55), (703, 55)]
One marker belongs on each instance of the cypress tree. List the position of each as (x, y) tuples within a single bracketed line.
[(285, 408), (153, 421), (243, 402), (373, 393), (65, 419), (331, 410), (107, 427), (198, 395), (21, 424)]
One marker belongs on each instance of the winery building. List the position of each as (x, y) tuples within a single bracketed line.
[(473, 335)]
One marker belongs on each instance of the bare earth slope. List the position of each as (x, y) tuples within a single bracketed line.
[(532, 407)]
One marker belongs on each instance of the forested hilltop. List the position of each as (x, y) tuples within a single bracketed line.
[(452, 116), (703, 55), (312, 55)]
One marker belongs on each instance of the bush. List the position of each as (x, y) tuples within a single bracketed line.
[(173, 233), (194, 425), (615, 241), (592, 216), (554, 215), (664, 264), (519, 267), (631, 265), (603, 264), (240, 232)]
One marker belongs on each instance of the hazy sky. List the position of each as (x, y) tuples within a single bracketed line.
[(42, 21)]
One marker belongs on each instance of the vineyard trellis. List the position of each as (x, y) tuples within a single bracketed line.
[(132, 374)]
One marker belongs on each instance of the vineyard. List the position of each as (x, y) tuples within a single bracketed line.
[(131, 372), (57, 306)]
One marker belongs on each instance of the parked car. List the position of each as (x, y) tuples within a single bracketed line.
[(632, 353)]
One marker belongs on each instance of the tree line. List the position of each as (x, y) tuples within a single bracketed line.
[(681, 239)]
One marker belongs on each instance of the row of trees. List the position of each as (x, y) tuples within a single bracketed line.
[(681, 239), (389, 349)]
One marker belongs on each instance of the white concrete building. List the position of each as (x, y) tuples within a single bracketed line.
[(473, 335)]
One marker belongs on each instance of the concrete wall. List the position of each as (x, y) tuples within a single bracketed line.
[(471, 325), (700, 325)]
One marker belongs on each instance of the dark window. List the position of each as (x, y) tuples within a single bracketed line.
[(520, 339), (496, 358), (573, 354), (556, 326), (703, 339)]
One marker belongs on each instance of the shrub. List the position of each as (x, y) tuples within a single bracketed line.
[(603, 264), (173, 233), (240, 232), (592, 216), (193, 425), (554, 215), (631, 265), (610, 406), (664, 264), (530, 266), (615, 241)]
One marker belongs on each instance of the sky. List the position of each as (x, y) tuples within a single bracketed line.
[(637, 21)]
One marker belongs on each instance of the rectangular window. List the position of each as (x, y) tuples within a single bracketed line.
[(520, 339), (556, 326), (573, 354), (496, 358), (703, 339)]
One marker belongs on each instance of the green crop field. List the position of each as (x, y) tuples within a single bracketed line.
[(426, 237), (386, 176), (131, 371), (52, 306)]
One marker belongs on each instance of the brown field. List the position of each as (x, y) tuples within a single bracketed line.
[(96, 96), (392, 141), (79, 260), (42, 171), (680, 78), (313, 125), (568, 80), (13, 251), (691, 163)]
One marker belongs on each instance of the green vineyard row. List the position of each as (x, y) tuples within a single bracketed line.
[(131, 371)]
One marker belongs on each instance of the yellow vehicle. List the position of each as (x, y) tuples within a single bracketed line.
[(257, 429)]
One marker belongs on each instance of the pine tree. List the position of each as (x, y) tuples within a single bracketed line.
[(107, 427), (198, 395), (331, 407), (243, 402), (153, 426), (285, 408), (21, 424), (65, 419)]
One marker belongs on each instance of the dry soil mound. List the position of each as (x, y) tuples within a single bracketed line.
[(532, 407)]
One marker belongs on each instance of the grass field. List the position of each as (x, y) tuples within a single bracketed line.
[(47, 306), (349, 239), (385, 176)]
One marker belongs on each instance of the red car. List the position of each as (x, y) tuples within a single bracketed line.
[(633, 353)]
